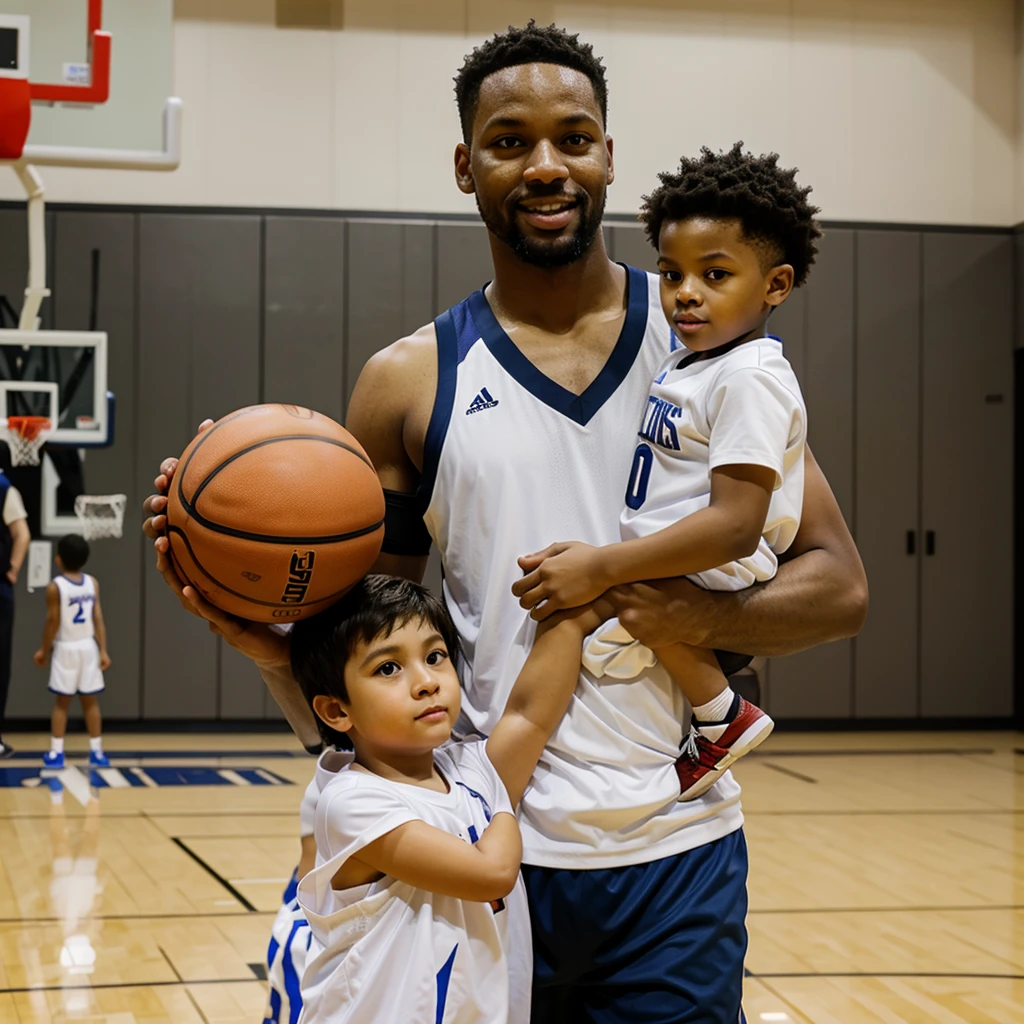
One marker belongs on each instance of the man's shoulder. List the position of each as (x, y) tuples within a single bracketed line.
[(414, 352)]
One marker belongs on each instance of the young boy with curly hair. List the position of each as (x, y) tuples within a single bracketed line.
[(716, 486)]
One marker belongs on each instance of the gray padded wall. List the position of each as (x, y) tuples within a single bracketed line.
[(207, 312), (199, 343), (966, 474), (816, 325), (888, 451)]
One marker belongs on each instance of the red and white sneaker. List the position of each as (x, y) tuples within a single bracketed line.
[(704, 760)]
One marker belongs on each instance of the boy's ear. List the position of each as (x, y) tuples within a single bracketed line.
[(780, 284), (330, 711)]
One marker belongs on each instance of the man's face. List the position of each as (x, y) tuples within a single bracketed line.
[(539, 163)]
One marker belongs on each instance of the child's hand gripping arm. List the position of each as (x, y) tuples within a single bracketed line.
[(101, 628), (50, 627)]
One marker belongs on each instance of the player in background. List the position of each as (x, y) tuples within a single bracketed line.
[(716, 485), (75, 644), (14, 541), (416, 905)]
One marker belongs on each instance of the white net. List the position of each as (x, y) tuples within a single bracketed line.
[(100, 515), (26, 436)]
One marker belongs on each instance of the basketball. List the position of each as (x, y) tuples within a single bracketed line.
[(274, 513)]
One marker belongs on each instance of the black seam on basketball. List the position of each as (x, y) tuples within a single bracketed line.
[(245, 597), (272, 440), (230, 531), (181, 471)]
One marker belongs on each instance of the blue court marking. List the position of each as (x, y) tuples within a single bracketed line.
[(443, 977), (31, 778)]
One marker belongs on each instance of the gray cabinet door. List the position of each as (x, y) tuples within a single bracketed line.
[(887, 469), (816, 325), (967, 476)]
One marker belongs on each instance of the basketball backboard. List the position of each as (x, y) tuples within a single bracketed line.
[(140, 70), (61, 375)]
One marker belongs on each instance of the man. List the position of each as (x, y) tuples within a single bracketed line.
[(14, 542), (637, 900)]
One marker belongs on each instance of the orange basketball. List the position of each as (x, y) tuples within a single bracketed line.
[(274, 513)]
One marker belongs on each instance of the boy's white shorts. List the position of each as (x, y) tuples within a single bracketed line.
[(75, 668)]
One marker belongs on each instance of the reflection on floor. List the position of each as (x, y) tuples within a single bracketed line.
[(887, 879)]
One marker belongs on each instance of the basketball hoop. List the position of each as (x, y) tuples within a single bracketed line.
[(101, 516), (26, 436)]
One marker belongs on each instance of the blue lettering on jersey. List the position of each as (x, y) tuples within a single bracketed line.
[(658, 427), (80, 601), (482, 401)]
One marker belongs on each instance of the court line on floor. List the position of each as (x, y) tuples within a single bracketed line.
[(195, 915), (853, 813), (974, 908), (875, 752), (886, 974), (789, 772), (121, 984), (220, 878), (177, 974)]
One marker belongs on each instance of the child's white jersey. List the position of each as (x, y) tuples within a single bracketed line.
[(514, 462), (76, 605), (388, 952), (737, 404)]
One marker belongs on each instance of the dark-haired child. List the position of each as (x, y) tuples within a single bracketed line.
[(75, 643), (716, 486), (416, 908)]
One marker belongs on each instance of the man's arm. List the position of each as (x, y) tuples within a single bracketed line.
[(820, 593), (50, 626), (20, 540)]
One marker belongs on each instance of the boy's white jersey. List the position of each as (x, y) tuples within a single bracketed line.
[(512, 463), (76, 605), (388, 952), (740, 404)]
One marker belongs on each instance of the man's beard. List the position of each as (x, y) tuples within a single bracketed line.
[(545, 254)]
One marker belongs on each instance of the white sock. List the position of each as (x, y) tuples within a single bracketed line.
[(56, 745), (96, 744), (717, 708)]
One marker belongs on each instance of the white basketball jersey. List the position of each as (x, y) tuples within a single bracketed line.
[(514, 462), (740, 404), (388, 952), (76, 605)]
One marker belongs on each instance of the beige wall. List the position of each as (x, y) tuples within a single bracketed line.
[(894, 110)]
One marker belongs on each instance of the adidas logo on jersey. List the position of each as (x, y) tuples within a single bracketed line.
[(482, 401)]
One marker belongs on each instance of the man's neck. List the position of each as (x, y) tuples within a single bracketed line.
[(75, 577), (554, 299)]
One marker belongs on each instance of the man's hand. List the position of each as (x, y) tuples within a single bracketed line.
[(104, 661), (258, 642), (12, 576), (664, 612), (40, 658), (561, 576)]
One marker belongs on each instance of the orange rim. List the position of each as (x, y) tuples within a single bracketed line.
[(28, 427)]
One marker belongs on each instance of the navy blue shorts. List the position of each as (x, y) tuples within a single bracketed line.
[(657, 943)]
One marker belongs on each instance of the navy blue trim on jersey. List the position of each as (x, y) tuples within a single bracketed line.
[(655, 943), (721, 350), (579, 408), (444, 399)]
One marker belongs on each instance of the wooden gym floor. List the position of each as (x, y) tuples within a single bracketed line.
[(886, 884)]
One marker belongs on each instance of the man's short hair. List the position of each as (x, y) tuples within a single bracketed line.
[(375, 607), (74, 551), (531, 44), (772, 209)]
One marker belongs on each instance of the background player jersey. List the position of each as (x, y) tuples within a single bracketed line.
[(388, 951), (512, 463), (76, 605), (741, 405)]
